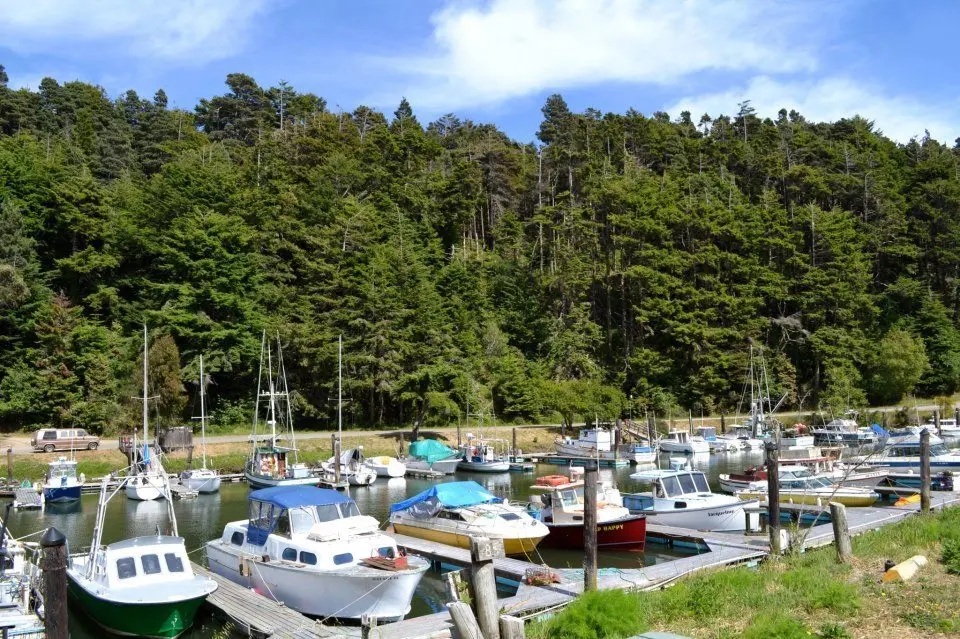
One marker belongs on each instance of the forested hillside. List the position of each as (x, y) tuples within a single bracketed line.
[(620, 255)]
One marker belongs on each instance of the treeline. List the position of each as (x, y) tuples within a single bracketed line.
[(623, 262)]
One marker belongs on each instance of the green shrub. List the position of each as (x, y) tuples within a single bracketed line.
[(833, 631), (950, 556), (777, 626), (599, 615)]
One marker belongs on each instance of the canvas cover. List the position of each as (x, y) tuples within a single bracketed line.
[(454, 494), (430, 450)]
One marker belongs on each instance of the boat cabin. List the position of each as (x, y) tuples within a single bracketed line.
[(271, 461), (708, 433), (679, 436), (911, 448), (61, 472), (563, 502), (599, 439), (143, 562)]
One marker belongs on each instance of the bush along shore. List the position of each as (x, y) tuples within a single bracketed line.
[(803, 596)]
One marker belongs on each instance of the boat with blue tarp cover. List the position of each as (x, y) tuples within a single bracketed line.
[(453, 512), (430, 454), (311, 549)]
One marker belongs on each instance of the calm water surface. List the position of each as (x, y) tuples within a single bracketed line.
[(203, 518)]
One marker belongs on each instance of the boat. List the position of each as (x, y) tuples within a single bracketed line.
[(143, 586), (21, 608), (717, 444), (268, 464), (148, 477), (386, 466), (352, 468), (679, 441), (61, 484), (430, 454), (201, 480), (844, 431), (560, 508), (682, 497), (903, 452), (799, 486), (480, 455), (598, 443), (453, 512), (312, 550), (744, 435), (794, 439), (948, 429)]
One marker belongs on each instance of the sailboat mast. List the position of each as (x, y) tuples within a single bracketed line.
[(146, 410), (340, 389), (272, 412), (203, 420)]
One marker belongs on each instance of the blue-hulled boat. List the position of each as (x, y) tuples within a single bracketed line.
[(61, 484)]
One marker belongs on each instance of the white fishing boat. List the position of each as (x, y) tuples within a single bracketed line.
[(430, 454), (743, 434), (147, 478), (480, 455), (949, 430), (352, 467), (61, 484), (386, 466), (312, 550), (598, 443), (903, 452), (202, 480), (716, 443), (679, 441), (682, 498), (453, 512), (143, 586), (269, 464), (844, 431)]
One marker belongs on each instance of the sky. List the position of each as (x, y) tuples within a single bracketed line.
[(496, 61)]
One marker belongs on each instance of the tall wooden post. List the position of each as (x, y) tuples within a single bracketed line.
[(336, 460), (773, 496), (511, 627), (54, 565), (690, 421), (723, 423), (651, 432), (464, 620), (956, 415), (924, 471), (190, 456), (483, 551), (9, 465), (841, 533), (616, 440), (590, 525), (513, 453), (936, 422)]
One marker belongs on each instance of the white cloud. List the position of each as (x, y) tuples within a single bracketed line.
[(511, 48), (830, 99), (166, 29)]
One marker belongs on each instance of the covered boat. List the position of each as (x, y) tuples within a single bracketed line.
[(800, 486), (453, 512), (430, 454), (312, 550), (598, 443)]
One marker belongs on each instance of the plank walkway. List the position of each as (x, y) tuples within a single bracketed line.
[(27, 497)]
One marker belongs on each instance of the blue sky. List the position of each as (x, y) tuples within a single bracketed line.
[(497, 60)]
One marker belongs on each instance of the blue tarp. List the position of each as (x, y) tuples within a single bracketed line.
[(879, 430), (294, 496), (454, 494), (430, 450)]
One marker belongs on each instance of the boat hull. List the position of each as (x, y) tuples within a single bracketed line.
[(61, 494), (383, 594), (144, 488), (814, 499), (636, 457), (445, 466), (202, 485), (728, 516), (688, 448), (511, 546), (160, 620), (629, 533), (391, 470), (484, 467), (260, 481)]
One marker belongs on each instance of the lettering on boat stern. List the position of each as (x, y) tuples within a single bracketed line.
[(614, 527), (721, 513)]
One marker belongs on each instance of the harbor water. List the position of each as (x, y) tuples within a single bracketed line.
[(202, 519)]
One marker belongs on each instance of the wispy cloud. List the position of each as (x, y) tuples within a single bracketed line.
[(511, 48), (182, 31), (830, 99)]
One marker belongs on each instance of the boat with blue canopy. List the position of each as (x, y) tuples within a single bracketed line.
[(430, 454), (311, 549), (453, 512)]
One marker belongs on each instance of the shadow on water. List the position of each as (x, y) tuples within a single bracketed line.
[(204, 517)]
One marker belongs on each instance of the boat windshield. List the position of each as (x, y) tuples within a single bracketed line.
[(938, 449), (571, 497), (303, 518), (685, 483)]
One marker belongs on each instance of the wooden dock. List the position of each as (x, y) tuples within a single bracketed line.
[(254, 615), (27, 497), (423, 473)]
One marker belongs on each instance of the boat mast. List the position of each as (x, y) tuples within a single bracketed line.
[(146, 410), (272, 419), (340, 390), (256, 403), (203, 421), (282, 377)]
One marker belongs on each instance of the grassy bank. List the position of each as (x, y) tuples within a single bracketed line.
[(803, 596), (230, 457)]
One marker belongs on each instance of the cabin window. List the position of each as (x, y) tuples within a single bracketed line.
[(344, 558), (328, 513), (151, 564), (570, 497), (686, 483), (679, 504), (448, 514), (349, 510), (126, 568), (701, 483), (237, 538), (289, 554), (937, 449), (387, 552), (670, 486), (510, 516), (301, 520), (283, 524), (311, 559), (174, 563)]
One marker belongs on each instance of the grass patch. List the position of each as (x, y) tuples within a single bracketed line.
[(807, 595)]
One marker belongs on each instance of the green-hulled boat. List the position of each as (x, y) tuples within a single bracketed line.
[(143, 586)]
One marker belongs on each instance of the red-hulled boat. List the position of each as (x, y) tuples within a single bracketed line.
[(560, 508)]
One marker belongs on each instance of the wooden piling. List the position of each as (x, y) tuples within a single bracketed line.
[(483, 551), (590, 526), (464, 620), (956, 415), (924, 471), (841, 533), (511, 627), (723, 423), (936, 422), (9, 465), (513, 452), (336, 459), (190, 456), (773, 497), (54, 566)]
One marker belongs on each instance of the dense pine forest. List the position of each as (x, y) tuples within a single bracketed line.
[(619, 262)]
